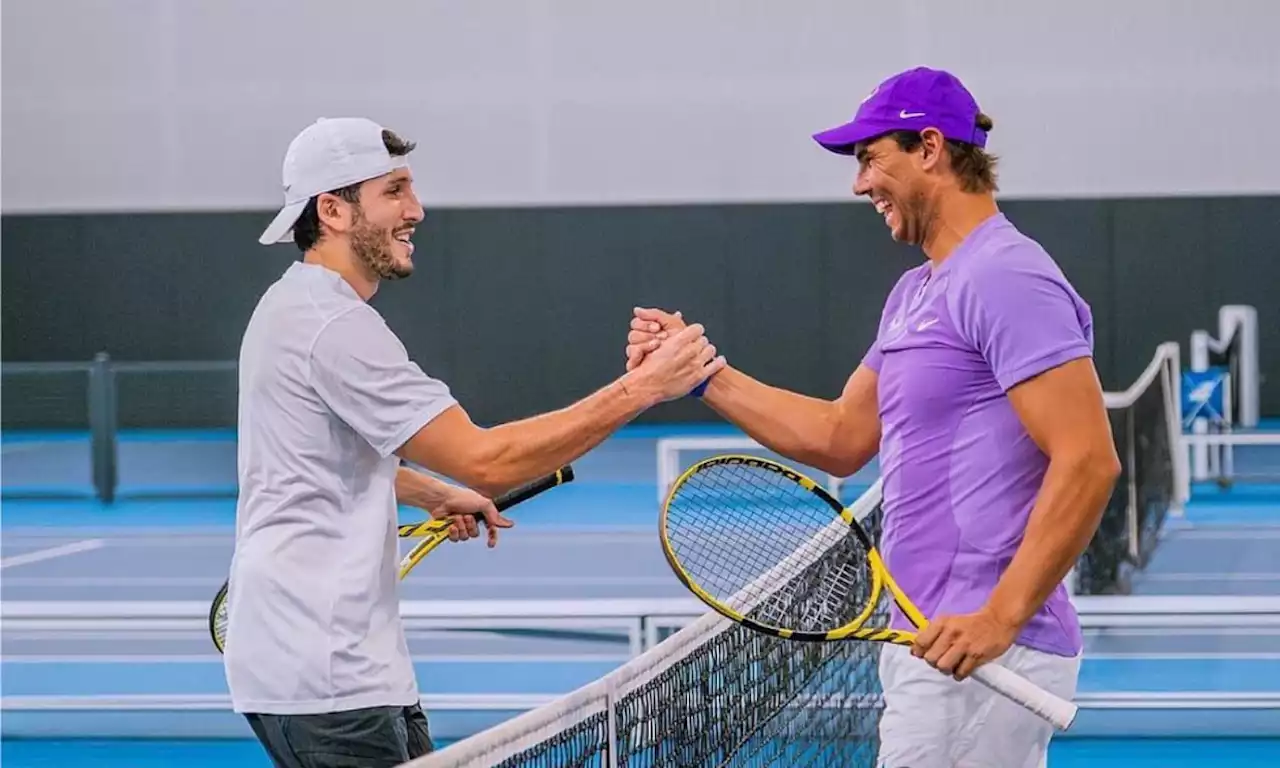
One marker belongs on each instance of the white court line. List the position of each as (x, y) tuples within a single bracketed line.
[(39, 555), (204, 658), (1202, 656), (179, 539), (201, 635), (514, 580), (1113, 632), (1244, 533), (1187, 576)]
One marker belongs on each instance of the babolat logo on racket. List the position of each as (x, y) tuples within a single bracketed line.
[(751, 461)]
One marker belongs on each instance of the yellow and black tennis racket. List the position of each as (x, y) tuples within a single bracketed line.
[(772, 550), (433, 532)]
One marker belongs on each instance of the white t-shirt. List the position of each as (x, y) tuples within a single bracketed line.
[(327, 394)]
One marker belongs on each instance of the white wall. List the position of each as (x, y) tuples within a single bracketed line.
[(162, 104)]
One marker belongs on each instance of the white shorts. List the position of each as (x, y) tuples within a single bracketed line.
[(931, 721)]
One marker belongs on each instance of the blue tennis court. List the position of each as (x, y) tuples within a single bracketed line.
[(110, 693)]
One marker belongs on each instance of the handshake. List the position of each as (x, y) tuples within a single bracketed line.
[(667, 359)]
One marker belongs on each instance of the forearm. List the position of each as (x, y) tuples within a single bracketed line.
[(416, 489), (1062, 523), (796, 426), (518, 452)]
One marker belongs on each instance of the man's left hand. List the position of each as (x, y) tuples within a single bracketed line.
[(957, 645), (462, 505)]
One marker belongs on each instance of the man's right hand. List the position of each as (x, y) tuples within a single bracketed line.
[(674, 365)]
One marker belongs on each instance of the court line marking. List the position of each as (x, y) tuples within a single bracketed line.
[(1226, 576), (181, 538), (203, 658), (1188, 656), (1208, 631), (1243, 533), (53, 582), (73, 548), (572, 658)]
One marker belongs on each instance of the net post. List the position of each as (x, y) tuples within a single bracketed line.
[(1243, 319), (666, 467), (1132, 460), (611, 724), (102, 427), (1199, 362)]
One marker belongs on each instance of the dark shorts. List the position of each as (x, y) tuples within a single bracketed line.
[(377, 737)]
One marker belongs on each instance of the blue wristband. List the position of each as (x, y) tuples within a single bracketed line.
[(698, 390)]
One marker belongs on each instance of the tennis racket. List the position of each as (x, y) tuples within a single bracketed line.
[(772, 550), (433, 532)]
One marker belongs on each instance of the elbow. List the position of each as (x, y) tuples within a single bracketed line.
[(489, 478), (491, 484), (492, 470), (847, 459), (1106, 466), (841, 466), (1098, 468)]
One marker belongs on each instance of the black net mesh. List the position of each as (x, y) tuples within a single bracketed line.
[(1145, 427), (714, 694)]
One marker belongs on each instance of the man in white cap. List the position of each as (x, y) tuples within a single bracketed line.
[(316, 657)]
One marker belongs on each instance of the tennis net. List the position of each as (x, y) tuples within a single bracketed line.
[(1147, 428), (712, 694)]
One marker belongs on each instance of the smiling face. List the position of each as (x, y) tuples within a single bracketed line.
[(900, 183), (377, 219), (383, 223)]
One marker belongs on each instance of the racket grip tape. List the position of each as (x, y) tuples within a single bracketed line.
[(529, 490), (1002, 680)]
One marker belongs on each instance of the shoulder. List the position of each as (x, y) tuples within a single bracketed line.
[(1010, 301), (355, 330), (1005, 269)]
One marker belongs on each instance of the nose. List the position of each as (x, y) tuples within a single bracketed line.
[(414, 211), (860, 184)]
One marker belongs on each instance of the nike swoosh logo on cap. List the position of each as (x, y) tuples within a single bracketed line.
[(904, 114)]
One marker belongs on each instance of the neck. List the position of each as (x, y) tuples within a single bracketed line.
[(956, 215), (337, 256)]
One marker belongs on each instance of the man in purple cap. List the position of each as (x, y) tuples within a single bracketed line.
[(980, 395)]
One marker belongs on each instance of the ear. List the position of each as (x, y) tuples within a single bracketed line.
[(934, 143), (333, 212)]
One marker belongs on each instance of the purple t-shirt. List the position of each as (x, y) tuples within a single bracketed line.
[(961, 474)]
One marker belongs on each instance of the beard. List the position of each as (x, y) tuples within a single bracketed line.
[(916, 214), (373, 247)]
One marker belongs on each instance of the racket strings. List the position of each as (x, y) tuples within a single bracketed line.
[(757, 541)]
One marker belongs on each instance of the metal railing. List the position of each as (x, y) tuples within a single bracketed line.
[(103, 405)]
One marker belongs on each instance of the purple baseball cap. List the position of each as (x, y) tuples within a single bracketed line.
[(912, 100)]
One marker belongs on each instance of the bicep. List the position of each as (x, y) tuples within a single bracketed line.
[(450, 444), (856, 432), (1063, 410)]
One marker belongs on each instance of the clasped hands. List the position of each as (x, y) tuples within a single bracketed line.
[(667, 358)]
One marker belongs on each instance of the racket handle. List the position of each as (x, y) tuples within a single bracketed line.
[(507, 500), (1003, 680), (525, 492)]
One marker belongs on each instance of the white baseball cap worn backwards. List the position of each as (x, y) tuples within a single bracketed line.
[(329, 154)]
